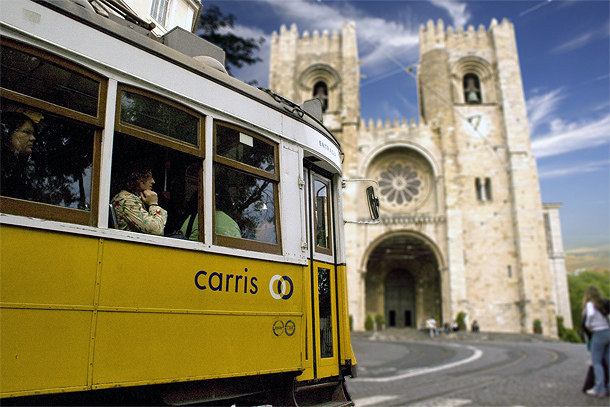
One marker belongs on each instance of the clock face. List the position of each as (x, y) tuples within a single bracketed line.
[(404, 181)]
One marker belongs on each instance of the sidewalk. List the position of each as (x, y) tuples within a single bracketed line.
[(412, 334)]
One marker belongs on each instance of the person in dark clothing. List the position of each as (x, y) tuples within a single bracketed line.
[(18, 132)]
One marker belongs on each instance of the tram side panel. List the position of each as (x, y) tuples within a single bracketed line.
[(47, 291), (160, 315), (177, 314)]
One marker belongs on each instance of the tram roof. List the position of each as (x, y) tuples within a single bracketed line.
[(136, 32)]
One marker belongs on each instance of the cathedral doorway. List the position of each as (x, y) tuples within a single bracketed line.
[(403, 282), (400, 299)]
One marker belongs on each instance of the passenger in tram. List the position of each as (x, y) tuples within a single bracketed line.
[(18, 136), (225, 224), (190, 226), (136, 206)]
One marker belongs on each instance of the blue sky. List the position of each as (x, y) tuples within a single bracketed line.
[(564, 50)]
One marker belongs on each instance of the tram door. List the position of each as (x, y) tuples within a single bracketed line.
[(323, 274)]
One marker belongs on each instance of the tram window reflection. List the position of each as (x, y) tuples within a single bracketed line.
[(322, 216), (245, 206), (245, 148), (246, 179), (46, 158)]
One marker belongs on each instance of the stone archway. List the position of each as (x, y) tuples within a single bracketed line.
[(403, 282)]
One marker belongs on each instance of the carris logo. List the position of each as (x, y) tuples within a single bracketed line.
[(281, 287)]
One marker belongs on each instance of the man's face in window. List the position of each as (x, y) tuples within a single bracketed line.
[(23, 139)]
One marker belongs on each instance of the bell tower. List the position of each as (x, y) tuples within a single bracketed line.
[(319, 66), (471, 94)]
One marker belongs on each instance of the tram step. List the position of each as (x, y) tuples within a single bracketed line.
[(330, 394)]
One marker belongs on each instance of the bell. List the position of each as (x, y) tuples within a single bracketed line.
[(472, 97)]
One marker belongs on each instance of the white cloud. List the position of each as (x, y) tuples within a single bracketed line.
[(562, 136), (457, 11), (567, 137), (583, 39), (380, 41), (588, 167), (541, 106)]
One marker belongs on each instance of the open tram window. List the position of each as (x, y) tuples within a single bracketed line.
[(161, 138), (245, 188), (52, 112)]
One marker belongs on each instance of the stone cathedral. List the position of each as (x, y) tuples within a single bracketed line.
[(462, 225)]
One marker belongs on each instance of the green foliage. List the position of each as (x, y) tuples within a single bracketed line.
[(379, 319), (537, 326), (238, 50), (368, 324), (577, 284), (460, 320), (566, 335)]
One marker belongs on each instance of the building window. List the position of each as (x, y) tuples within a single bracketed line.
[(158, 11), (399, 184), (320, 91), (472, 89), (483, 189)]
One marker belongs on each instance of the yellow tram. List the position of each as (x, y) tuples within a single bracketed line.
[(248, 304)]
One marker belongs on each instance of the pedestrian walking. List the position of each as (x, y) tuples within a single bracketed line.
[(597, 328)]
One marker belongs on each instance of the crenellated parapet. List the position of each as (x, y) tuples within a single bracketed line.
[(381, 132), (327, 41), (436, 36), (387, 124)]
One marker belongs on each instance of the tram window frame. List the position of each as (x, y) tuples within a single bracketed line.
[(165, 141), (159, 138), (248, 170), (47, 211), (329, 221)]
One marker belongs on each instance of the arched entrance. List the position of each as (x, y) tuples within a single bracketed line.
[(403, 282), (399, 299)]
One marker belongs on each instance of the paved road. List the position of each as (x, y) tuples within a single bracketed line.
[(469, 372)]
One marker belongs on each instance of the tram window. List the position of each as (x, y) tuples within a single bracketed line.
[(34, 76), (167, 137), (46, 158), (51, 113), (158, 117), (325, 305), (245, 189), (245, 148), (322, 216), (177, 181)]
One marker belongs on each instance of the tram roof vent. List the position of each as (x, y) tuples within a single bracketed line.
[(189, 44)]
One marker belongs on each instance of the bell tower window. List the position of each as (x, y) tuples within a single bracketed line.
[(472, 88), (320, 91)]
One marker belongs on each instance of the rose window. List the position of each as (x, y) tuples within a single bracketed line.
[(399, 184)]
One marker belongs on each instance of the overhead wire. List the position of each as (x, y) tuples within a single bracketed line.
[(409, 70)]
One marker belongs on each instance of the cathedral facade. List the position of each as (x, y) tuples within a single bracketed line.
[(462, 227)]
